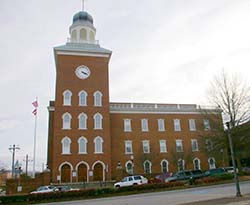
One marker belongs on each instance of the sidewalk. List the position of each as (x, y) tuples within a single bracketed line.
[(244, 200)]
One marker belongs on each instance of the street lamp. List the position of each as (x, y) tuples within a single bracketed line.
[(236, 180)]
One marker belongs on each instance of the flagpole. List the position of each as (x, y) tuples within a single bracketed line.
[(34, 151)]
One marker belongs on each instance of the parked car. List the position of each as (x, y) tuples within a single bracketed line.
[(162, 177), (44, 189), (230, 170), (185, 175), (66, 188), (131, 181), (216, 171)]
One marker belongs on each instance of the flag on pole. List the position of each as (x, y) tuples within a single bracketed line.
[(35, 104), (34, 111)]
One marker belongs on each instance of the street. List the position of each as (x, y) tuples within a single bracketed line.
[(167, 197)]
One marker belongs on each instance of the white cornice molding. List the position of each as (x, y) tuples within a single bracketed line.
[(73, 53)]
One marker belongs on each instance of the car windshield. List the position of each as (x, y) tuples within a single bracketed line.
[(124, 179)]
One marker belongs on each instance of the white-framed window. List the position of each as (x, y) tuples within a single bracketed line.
[(197, 164), (147, 167), (164, 166), (211, 163), (67, 97), (98, 121), (129, 167), (161, 125), (177, 125), (82, 98), (66, 121), (144, 125), (127, 125), (66, 142), (179, 146), (181, 165), (128, 147), (82, 118), (192, 125), (194, 145), (145, 146), (98, 99), (209, 144), (206, 124), (163, 146), (98, 141), (82, 145)]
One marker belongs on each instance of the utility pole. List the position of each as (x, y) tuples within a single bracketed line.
[(236, 180), (27, 160), (13, 149)]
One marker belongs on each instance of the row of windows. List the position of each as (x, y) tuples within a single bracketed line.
[(82, 145), (82, 121), (161, 125), (162, 146), (147, 165), (83, 96)]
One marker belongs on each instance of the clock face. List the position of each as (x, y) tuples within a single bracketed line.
[(82, 72)]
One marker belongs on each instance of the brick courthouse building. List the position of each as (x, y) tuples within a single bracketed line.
[(90, 138)]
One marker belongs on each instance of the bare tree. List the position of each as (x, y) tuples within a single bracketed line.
[(232, 95)]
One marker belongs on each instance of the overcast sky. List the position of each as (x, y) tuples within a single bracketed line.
[(164, 51)]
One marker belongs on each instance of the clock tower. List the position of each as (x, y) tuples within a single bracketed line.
[(79, 143)]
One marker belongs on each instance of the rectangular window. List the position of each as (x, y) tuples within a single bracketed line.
[(177, 125), (163, 146), (144, 125), (206, 124), (127, 125), (128, 147), (192, 125), (179, 147), (161, 125), (209, 145), (145, 146), (194, 144)]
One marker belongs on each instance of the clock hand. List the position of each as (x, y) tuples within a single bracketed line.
[(84, 73)]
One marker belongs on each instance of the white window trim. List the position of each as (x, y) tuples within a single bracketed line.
[(144, 122), (99, 104), (165, 145), (126, 164), (86, 120), (86, 97), (194, 141), (164, 160), (178, 140), (64, 93), (86, 143), (206, 128), (146, 142), (125, 121), (192, 124), (177, 124), (70, 117), (101, 122), (161, 125), (97, 152), (199, 163), (128, 141), (150, 166), (62, 142)]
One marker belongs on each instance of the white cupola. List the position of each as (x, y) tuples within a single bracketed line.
[(82, 29)]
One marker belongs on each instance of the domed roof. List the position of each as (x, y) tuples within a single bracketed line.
[(82, 16)]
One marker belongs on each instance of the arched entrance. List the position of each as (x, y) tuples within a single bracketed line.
[(98, 172), (65, 173), (82, 173)]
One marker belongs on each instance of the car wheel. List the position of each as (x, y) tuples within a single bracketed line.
[(117, 186), (135, 184)]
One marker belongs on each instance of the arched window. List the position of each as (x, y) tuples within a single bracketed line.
[(82, 145), (82, 98), (66, 141), (91, 35), (98, 145), (181, 165), (98, 98), (67, 97), (83, 34), (164, 166), (197, 164), (73, 35), (211, 163), (83, 121), (66, 121), (129, 167), (98, 121), (147, 167)]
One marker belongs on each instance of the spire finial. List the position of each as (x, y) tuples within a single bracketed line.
[(82, 5)]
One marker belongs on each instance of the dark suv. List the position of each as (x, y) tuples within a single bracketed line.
[(217, 171)]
